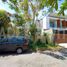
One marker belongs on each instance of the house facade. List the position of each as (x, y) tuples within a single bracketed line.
[(57, 26)]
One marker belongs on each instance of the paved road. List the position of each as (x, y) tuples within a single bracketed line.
[(44, 59)]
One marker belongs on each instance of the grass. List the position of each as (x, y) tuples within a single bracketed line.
[(54, 48), (40, 46)]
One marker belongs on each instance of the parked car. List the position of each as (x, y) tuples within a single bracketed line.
[(18, 44)]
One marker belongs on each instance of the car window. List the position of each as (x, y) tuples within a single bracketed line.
[(3, 39), (12, 40)]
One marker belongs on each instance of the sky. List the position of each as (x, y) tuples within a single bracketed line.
[(6, 7), (40, 13)]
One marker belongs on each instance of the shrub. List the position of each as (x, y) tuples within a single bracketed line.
[(36, 45), (42, 45)]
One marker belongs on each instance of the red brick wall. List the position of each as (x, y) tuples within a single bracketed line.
[(61, 38)]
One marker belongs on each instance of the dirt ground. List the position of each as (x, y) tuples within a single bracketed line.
[(44, 59)]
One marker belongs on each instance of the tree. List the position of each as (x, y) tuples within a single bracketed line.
[(4, 20), (23, 6), (19, 21), (63, 7), (30, 8), (33, 31)]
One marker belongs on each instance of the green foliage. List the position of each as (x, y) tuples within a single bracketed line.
[(35, 5), (4, 16), (33, 29), (13, 4), (39, 45), (19, 20), (4, 19), (63, 7), (21, 32), (42, 45), (49, 3), (40, 4)]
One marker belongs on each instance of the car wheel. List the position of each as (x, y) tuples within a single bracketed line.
[(19, 50)]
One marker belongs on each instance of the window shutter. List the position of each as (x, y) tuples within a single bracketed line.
[(63, 24), (58, 23), (66, 23)]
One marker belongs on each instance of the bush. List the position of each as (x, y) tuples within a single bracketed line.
[(41, 45), (36, 45), (32, 44)]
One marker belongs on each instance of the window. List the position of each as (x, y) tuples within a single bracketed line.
[(58, 23), (58, 31), (61, 32), (53, 24), (65, 31), (64, 23), (55, 31)]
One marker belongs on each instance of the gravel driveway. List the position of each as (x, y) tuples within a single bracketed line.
[(44, 59)]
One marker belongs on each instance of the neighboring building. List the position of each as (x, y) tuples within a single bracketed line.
[(59, 27), (56, 26)]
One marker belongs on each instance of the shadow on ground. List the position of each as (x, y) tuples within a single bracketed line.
[(63, 51), (54, 55), (4, 54), (61, 54)]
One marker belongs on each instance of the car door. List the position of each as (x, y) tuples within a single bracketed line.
[(3, 42), (0, 44), (11, 44)]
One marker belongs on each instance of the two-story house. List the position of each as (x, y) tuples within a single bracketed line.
[(58, 27)]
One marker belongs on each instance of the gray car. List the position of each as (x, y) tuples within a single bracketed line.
[(18, 44)]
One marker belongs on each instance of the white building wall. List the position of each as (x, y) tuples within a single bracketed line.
[(45, 24)]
